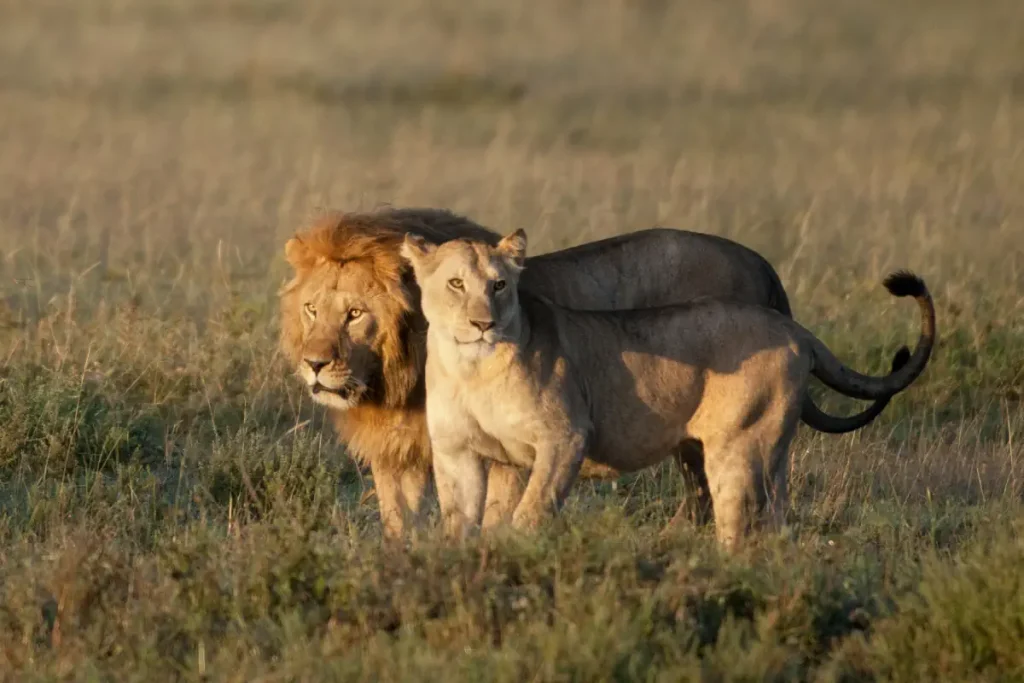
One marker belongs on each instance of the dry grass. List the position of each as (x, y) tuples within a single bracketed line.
[(170, 504)]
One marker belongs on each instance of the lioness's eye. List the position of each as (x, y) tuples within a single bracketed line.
[(355, 313), (310, 310), (499, 285), (455, 283)]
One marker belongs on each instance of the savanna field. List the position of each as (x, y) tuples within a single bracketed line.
[(172, 505)]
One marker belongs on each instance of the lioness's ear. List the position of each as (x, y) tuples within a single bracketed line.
[(513, 247), (415, 249)]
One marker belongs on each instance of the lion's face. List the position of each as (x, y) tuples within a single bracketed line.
[(341, 318), (469, 290), (345, 320)]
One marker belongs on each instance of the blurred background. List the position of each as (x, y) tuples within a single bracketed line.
[(841, 139)]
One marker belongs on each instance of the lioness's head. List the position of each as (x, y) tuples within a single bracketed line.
[(468, 289), (347, 315)]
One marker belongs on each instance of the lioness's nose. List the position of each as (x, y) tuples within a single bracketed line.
[(482, 325), (316, 364)]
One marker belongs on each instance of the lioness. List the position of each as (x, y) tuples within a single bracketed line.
[(519, 380), (352, 328)]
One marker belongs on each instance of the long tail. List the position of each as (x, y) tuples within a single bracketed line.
[(818, 419), (811, 414), (839, 377)]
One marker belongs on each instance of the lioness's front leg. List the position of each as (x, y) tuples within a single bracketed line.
[(461, 488), (505, 484), (555, 467)]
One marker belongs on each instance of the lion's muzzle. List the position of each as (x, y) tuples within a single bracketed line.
[(330, 381), (342, 392)]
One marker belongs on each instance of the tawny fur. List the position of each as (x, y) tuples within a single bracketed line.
[(524, 382), (355, 256)]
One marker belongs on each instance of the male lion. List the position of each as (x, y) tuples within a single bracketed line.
[(353, 330), (514, 378)]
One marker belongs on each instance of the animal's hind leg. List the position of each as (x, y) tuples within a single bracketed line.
[(748, 481), (769, 439), (778, 500), (776, 480), (695, 508), (733, 476), (753, 490)]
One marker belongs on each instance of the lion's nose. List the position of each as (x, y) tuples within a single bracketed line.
[(316, 364), (482, 325)]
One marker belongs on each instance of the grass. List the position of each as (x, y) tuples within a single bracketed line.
[(172, 507)]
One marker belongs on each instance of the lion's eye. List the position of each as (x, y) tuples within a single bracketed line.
[(310, 310), (355, 313), (455, 283), (499, 285)]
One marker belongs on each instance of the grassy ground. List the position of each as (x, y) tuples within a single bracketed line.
[(172, 507)]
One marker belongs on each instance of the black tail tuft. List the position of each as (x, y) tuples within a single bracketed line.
[(905, 283), (901, 358)]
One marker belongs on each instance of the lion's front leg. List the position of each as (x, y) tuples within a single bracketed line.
[(393, 513), (505, 485), (555, 468), (414, 484), (461, 488), (400, 494)]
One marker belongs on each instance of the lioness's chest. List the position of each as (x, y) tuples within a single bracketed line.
[(491, 420), (516, 429)]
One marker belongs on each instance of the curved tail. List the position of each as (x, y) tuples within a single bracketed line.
[(839, 377), (815, 418)]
